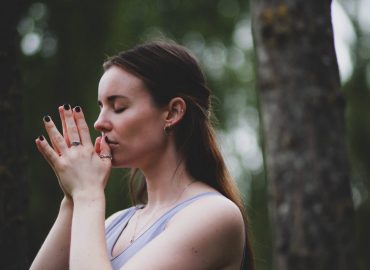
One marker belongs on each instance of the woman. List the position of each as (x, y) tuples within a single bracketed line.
[(155, 118)]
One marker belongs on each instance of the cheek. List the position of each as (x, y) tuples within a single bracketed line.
[(148, 133), (141, 127)]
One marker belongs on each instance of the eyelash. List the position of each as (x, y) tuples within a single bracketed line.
[(119, 110), (116, 111)]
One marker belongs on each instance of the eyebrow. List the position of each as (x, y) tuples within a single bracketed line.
[(112, 98)]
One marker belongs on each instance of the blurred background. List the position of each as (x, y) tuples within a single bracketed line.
[(64, 43)]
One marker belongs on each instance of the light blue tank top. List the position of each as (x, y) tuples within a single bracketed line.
[(115, 228)]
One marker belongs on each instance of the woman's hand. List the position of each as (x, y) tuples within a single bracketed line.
[(81, 168)]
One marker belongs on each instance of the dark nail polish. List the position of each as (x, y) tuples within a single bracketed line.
[(47, 118), (66, 107), (77, 109), (41, 138), (106, 139)]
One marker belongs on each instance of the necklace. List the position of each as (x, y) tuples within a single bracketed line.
[(133, 237)]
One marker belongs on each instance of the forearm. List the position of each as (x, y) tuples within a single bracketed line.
[(88, 244), (54, 253)]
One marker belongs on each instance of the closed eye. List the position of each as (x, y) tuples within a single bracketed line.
[(119, 110)]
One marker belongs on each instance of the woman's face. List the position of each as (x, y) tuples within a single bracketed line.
[(129, 118)]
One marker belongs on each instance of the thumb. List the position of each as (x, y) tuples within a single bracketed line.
[(97, 144), (105, 152)]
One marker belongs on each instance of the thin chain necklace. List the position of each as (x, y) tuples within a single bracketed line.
[(133, 237)]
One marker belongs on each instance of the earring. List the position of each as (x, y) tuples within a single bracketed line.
[(167, 129)]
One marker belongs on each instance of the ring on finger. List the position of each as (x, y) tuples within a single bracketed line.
[(106, 156), (75, 143)]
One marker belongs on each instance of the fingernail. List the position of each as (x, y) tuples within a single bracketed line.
[(66, 107), (41, 138), (47, 118), (106, 139), (77, 109)]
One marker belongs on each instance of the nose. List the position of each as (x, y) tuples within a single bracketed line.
[(102, 124)]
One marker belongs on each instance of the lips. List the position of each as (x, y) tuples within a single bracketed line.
[(109, 141)]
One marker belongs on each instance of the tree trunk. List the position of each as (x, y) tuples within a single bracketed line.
[(13, 186), (303, 122)]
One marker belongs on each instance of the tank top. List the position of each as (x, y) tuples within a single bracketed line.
[(116, 227)]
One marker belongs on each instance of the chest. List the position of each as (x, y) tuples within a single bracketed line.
[(131, 231), (122, 243)]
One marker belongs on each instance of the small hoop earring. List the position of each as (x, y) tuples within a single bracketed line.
[(167, 129)]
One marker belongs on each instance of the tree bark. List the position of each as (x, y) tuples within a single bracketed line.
[(302, 107), (13, 186)]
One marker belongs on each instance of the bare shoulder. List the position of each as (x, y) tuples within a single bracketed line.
[(215, 210), (215, 218), (216, 229)]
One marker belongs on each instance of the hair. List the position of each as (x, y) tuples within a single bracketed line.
[(169, 70)]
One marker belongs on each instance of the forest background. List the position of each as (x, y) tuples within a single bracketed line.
[(64, 43)]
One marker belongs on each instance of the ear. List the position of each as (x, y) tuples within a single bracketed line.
[(176, 109)]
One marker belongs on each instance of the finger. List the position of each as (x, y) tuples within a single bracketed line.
[(82, 127), (48, 153), (97, 145), (56, 149), (65, 135), (71, 127), (56, 138), (52, 143)]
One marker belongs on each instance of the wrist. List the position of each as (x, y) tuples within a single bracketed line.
[(66, 203), (88, 196)]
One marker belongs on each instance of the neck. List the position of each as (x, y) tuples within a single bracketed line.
[(167, 180)]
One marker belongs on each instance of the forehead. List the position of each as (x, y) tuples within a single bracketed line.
[(118, 82)]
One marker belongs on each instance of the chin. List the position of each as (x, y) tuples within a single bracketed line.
[(121, 165), (118, 165)]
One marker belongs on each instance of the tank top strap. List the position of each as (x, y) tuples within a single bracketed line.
[(116, 220), (165, 218)]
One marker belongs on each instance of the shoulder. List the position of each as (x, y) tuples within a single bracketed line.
[(212, 207), (215, 229), (215, 216)]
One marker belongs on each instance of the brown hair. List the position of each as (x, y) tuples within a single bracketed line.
[(169, 70)]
